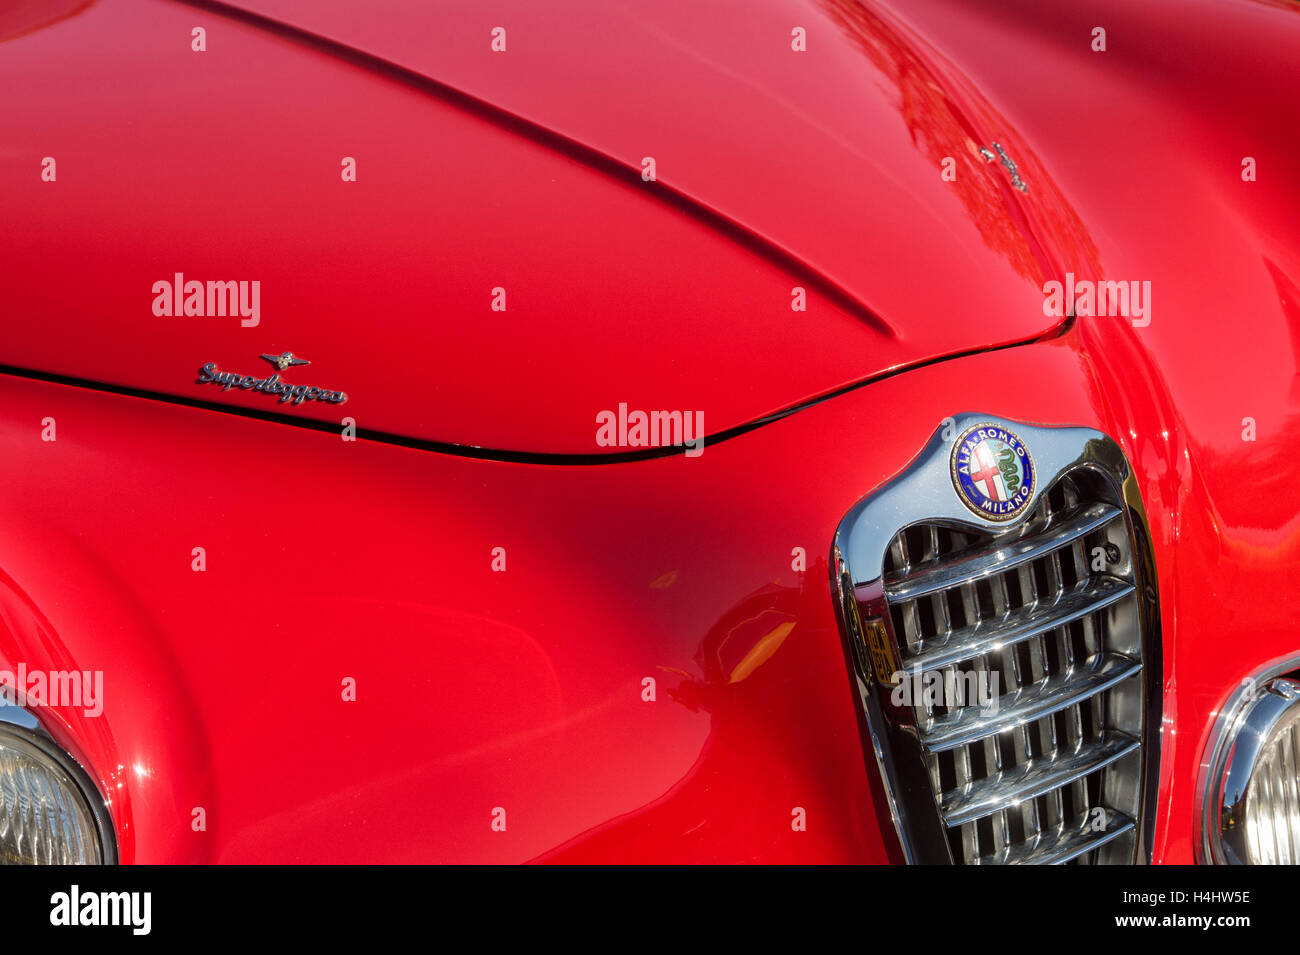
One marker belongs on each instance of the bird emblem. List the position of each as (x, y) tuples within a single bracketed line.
[(285, 360)]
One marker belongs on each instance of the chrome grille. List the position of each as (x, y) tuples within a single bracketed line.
[(1023, 654), (1055, 614)]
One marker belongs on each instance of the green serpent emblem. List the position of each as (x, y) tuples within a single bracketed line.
[(1010, 470)]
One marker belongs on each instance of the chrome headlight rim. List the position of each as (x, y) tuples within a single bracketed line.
[(1236, 746), (20, 724)]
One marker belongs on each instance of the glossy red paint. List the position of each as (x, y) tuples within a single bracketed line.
[(671, 294), (523, 689)]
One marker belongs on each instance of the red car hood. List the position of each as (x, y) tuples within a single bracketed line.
[(503, 269)]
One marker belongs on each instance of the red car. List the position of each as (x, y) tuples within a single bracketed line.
[(803, 431)]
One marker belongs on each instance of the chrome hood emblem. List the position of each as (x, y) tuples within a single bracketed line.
[(285, 360), (1016, 181)]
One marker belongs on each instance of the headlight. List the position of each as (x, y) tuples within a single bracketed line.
[(1251, 799), (50, 811)]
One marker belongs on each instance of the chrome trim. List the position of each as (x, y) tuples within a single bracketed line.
[(923, 494), (1021, 625), (897, 759), (1030, 703), (17, 721), (1033, 779), (997, 558), (1071, 843), (1236, 743)]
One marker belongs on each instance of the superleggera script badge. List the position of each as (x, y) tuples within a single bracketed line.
[(272, 385)]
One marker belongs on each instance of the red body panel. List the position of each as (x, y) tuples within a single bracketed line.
[(668, 294), (523, 689)]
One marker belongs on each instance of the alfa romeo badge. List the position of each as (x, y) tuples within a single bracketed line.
[(993, 472)]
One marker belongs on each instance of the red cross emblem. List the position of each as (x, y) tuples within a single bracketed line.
[(987, 473)]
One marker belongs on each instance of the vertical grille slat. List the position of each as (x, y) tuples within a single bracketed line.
[(1038, 701), (1004, 551), (1080, 603), (1032, 780)]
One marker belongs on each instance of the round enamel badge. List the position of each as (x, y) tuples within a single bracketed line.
[(993, 472)]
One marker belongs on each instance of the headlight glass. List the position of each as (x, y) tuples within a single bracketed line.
[(46, 813), (1272, 810), (1251, 803)]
